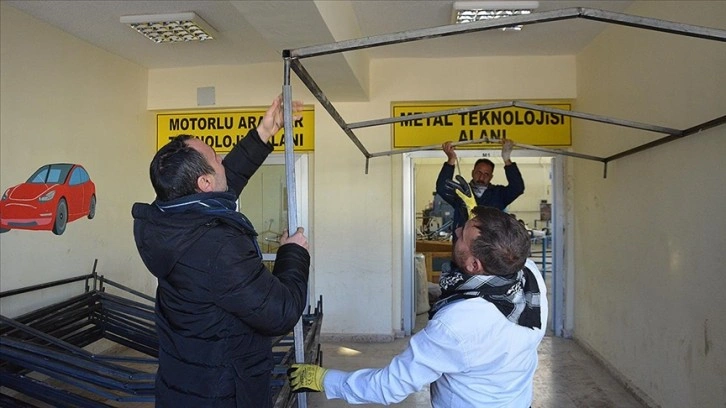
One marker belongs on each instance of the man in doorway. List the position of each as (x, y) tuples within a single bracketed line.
[(484, 193), (480, 347), (216, 303)]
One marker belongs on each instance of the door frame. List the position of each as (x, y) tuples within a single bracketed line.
[(559, 268)]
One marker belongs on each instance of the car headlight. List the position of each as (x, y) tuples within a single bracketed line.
[(47, 196), (5, 195)]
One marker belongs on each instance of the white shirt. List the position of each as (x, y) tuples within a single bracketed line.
[(470, 354)]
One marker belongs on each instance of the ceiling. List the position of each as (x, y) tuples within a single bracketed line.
[(251, 32)]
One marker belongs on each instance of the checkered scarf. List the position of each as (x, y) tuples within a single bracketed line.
[(516, 295)]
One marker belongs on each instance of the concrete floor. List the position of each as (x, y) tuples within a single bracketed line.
[(567, 377)]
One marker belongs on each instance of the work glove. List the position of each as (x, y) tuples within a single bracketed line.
[(463, 190), (306, 377)]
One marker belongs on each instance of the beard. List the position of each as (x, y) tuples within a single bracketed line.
[(458, 257)]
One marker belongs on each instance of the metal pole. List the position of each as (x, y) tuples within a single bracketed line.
[(597, 118), (43, 285), (292, 223), (490, 140), (665, 26), (681, 134), (483, 25), (518, 104), (455, 111), (305, 77), (434, 32), (524, 19)]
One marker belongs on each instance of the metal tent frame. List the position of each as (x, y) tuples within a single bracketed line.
[(292, 60)]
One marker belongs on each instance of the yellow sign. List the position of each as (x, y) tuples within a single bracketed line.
[(521, 125), (223, 129)]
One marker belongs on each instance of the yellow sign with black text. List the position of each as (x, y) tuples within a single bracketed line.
[(223, 129), (524, 126)]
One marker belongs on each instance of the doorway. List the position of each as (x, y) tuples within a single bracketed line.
[(539, 208)]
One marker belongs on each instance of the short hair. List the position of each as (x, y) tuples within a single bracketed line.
[(487, 161), (503, 243), (175, 168)]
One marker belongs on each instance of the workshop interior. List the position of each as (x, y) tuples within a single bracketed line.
[(616, 110)]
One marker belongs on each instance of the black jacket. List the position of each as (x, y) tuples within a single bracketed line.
[(496, 195), (216, 302)]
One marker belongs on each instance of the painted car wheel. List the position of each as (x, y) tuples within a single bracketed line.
[(61, 217), (92, 208)]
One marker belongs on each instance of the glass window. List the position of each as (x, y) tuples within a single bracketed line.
[(83, 174), (76, 177), (39, 176), (264, 202), (54, 173)]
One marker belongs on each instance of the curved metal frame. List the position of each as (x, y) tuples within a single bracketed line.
[(292, 59), (292, 62)]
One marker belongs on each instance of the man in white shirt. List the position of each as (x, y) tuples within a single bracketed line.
[(480, 347)]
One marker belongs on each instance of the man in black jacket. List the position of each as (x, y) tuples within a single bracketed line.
[(216, 303), (484, 193)]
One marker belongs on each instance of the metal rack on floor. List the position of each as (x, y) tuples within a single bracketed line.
[(43, 359)]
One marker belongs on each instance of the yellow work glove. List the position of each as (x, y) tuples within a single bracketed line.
[(469, 201), (306, 377), (463, 190)]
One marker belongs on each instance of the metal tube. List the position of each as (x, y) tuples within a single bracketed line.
[(490, 140), (43, 286), (559, 152), (292, 223), (524, 19), (406, 118), (654, 24), (45, 337), (597, 118), (554, 15), (434, 32), (128, 289), (430, 147), (320, 96), (519, 104), (690, 131)]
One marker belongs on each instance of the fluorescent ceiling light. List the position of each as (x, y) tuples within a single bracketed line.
[(468, 11), (169, 28)]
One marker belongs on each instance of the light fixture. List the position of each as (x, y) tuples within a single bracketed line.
[(468, 11), (170, 28)]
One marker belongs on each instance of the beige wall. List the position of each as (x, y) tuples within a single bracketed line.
[(65, 101), (649, 239)]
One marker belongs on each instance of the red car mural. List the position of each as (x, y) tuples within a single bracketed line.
[(53, 196)]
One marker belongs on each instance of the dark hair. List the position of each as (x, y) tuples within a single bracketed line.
[(487, 161), (175, 169), (503, 243)]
